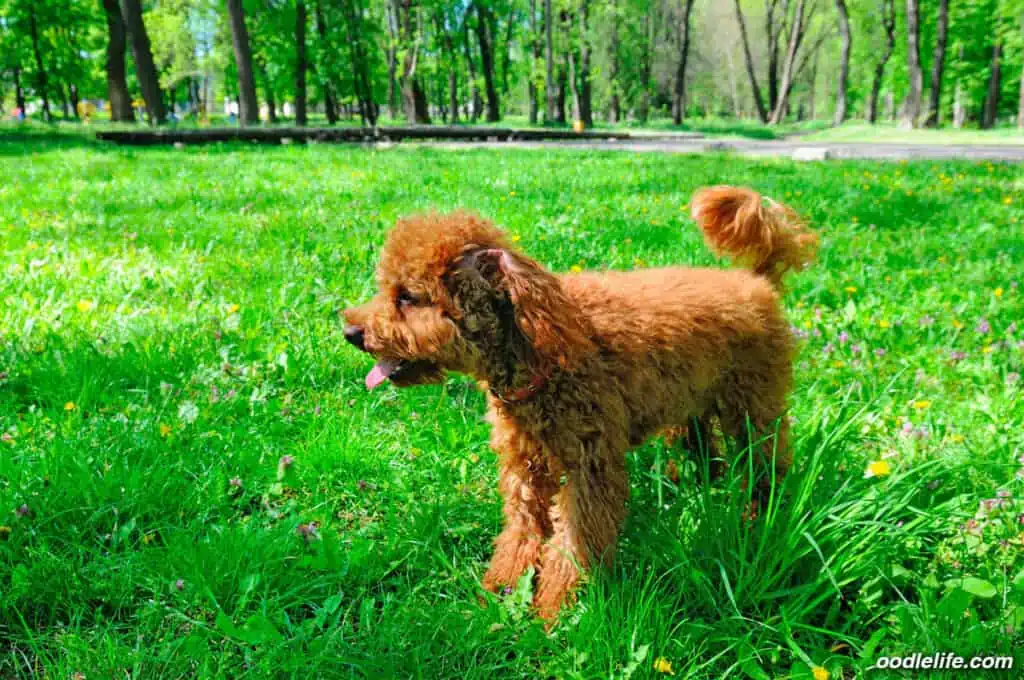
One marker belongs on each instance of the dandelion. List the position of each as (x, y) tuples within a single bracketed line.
[(820, 673), (998, 292), (85, 305), (883, 324), (987, 349), (576, 269), (838, 364), (70, 406), (878, 468), (663, 665), (1008, 200), (165, 430), (983, 327), (956, 438), (515, 238), (851, 289), (922, 404), (232, 308), (958, 324)]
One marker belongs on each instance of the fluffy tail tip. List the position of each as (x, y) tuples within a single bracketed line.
[(762, 234)]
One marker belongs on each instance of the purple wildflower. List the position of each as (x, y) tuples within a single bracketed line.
[(1012, 378), (983, 327), (880, 352), (908, 428), (1003, 493), (927, 320), (507, 590), (856, 348), (235, 482), (179, 584), (816, 333), (828, 349), (23, 511), (844, 337), (957, 355)]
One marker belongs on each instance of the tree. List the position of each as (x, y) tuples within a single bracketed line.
[(938, 64), (300, 63), (762, 112), (117, 83), (414, 100), (249, 110), (550, 87), (797, 31), (991, 110), (41, 84), (912, 106), (888, 11), (145, 69), (579, 68), (844, 63), (679, 98), (614, 105), (484, 33)]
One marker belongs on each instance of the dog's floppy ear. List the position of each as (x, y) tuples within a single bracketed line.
[(544, 313)]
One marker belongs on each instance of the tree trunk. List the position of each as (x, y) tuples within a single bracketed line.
[(614, 105), (474, 94), (679, 94), (534, 58), (643, 105), (959, 110), (550, 86), (453, 78), (844, 63), (268, 95), (762, 113), (301, 117), (990, 113), (580, 72), (560, 98), (414, 100), (361, 78), (912, 107), (392, 55), (40, 69), (326, 76), (812, 89), (74, 99), (1020, 103), (938, 64), (249, 110), (117, 83), (483, 34), (796, 36), (19, 92), (773, 29), (889, 23), (145, 69)]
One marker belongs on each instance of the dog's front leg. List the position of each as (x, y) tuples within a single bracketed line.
[(586, 515), (527, 495)]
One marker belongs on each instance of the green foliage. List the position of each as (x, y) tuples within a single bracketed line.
[(193, 480)]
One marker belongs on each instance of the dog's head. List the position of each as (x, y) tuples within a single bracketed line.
[(453, 295)]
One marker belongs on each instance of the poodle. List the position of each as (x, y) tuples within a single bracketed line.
[(580, 367)]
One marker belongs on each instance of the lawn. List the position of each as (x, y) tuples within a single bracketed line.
[(892, 134), (195, 483)]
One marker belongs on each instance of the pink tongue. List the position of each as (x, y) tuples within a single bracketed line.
[(378, 374)]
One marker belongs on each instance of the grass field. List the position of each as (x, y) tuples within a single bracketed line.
[(194, 482)]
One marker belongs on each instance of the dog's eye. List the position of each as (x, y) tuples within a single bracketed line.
[(405, 299)]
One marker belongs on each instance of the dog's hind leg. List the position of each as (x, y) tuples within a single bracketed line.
[(586, 516)]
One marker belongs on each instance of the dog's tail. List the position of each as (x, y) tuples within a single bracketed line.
[(766, 236)]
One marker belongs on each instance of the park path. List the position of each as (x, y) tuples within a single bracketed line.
[(793, 148)]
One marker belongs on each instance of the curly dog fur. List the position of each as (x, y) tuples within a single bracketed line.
[(578, 368)]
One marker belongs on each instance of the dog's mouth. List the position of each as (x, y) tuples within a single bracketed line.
[(402, 372)]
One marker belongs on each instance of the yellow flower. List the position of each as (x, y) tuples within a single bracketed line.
[(515, 238), (576, 269), (148, 538), (85, 305), (998, 292), (883, 324), (956, 438), (820, 673), (922, 405), (70, 406), (663, 665), (878, 468), (958, 324), (233, 308), (807, 324), (511, 193), (838, 364), (1008, 200), (850, 289), (164, 430), (987, 349)]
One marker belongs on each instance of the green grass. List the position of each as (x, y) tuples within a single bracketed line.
[(168, 335), (891, 134)]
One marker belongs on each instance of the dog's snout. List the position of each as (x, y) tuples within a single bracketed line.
[(354, 336)]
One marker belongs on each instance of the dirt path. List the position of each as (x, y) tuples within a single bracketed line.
[(786, 148)]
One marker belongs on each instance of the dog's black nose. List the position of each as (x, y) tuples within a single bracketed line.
[(354, 335)]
